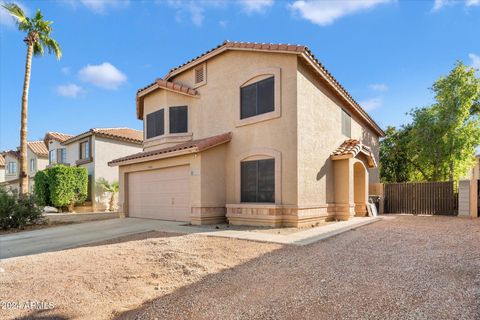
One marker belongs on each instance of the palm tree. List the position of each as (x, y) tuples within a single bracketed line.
[(111, 188), (38, 39)]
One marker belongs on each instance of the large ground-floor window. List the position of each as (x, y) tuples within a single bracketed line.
[(258, 180)]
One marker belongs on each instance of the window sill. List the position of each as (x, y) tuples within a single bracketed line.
[(83, 161), (258, 118), (168, 139)]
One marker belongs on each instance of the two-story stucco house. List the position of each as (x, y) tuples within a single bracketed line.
[(2, 168), (93, 150), (258, 134), (37, 159)]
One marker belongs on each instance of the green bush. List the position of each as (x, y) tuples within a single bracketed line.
[(41, 189), (61, 186), (17, 212), (67, 185)]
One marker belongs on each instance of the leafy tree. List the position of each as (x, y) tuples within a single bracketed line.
[(37, 40), (441, 141), (111, 188)]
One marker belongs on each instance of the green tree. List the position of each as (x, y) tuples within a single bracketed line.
[(441, 141), (37, 40), (111, 188)]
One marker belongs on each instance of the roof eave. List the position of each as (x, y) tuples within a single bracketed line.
[(154, 157)]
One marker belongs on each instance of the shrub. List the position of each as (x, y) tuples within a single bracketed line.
[(17, 212), (61, 186), (67, 185), (41, 189)]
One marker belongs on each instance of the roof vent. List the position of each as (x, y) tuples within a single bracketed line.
[(199, 74)]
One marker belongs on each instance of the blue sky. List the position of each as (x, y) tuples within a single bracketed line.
[(386, 53)]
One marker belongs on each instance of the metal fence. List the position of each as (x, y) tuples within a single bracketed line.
[(435, 198)]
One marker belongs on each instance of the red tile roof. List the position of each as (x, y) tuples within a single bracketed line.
[(301, 50), (2, 161), (57, 136), (122, 134), (39, 148), (198, 145), (351, 148)]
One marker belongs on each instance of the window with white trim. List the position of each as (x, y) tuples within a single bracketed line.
[(33, 165), (12, 167)]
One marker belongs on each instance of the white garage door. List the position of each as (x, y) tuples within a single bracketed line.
[(160, 194)]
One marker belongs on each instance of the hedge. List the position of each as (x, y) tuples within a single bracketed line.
[(61, 186)]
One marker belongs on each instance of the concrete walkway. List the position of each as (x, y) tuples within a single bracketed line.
[(70, 236)]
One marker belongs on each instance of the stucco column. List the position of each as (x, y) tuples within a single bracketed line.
[(343, 189)]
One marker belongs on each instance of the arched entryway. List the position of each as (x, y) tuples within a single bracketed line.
[(360, 188)]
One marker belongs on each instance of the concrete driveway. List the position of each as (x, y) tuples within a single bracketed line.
[(74, 235)]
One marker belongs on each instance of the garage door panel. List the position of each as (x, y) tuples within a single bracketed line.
[(160, 194)]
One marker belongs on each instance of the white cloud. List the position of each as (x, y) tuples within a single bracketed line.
[(6, 18), (104, 75), (69, 90), (475, 61), (65, 70), (326, 12), (378, 87), (439, 4), (99, 6), (371, 104), (471, 3), (193, 8), (255, 6)]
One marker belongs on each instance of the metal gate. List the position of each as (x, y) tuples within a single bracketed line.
[(435, 198)]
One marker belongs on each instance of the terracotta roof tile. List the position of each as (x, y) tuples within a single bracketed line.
[(2, 161), (57, 136), (351, 148), (123, 134), (39, 148), (197, 146)]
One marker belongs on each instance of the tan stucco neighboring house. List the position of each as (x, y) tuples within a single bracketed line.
[(37, 159), (258, 134), (93, 150), (2, 168)]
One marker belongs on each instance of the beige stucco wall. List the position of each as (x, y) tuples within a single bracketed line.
[(216, 112), (2, 174), (319, 134), (105, 150)]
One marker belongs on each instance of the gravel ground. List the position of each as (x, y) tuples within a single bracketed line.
[(402, 268), (93, 282)]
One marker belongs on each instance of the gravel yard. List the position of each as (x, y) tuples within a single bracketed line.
[(401, 268)]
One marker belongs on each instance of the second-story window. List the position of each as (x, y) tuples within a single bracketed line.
[(257, 98), (178, 119), (155, 124), (33, 165), (346, 124), (52, 157), (62, 155), (11, 167), (85, 150)]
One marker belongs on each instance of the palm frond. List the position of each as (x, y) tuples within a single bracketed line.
[(16, 12), (38, 49), (54, 47)]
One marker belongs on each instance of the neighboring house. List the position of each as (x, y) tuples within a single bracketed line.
[(2, 168), (92, 150), (260, 134), (37, 159)]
